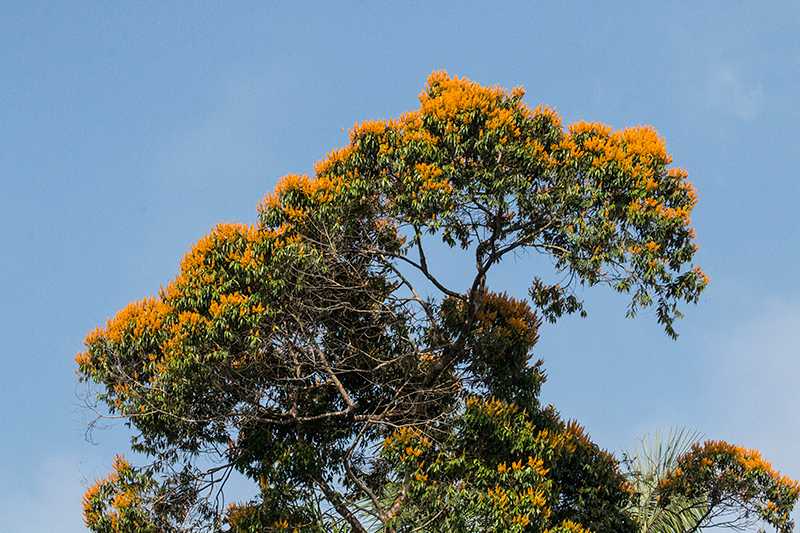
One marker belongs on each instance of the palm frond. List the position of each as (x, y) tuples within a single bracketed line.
[(650, 462)]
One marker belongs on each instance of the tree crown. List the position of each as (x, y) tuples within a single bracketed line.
[(303, 352)]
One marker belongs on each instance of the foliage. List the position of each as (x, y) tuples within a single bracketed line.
[(321, 355), (115, 503), (502, 470)]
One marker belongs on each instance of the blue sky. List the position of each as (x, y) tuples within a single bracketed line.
[(128, 130)]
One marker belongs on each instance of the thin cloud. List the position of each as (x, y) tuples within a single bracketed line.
[(733, 95), (758, 388)]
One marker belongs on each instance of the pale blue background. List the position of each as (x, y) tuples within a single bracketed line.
[(127, 130)]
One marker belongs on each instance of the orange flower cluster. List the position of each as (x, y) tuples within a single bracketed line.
[(122, 498), (749, 459), (430, 178), (234, 300), (536, 497), (494, 408), (446, 98), (515, 314), (536, 464), (138, 318), (196, 265), (568, 526), (322, 189), (500, 498), (636, 150), (167, 328), (334, 157)]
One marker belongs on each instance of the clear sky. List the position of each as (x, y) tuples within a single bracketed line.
[(129, 129)]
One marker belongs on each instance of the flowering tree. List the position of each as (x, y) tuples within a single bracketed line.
[(322, 355), (683, 486), (724, 485)]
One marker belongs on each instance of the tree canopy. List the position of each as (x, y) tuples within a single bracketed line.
[(682, 485), (321, 354)]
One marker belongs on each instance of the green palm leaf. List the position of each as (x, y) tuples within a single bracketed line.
[(651, 461)]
